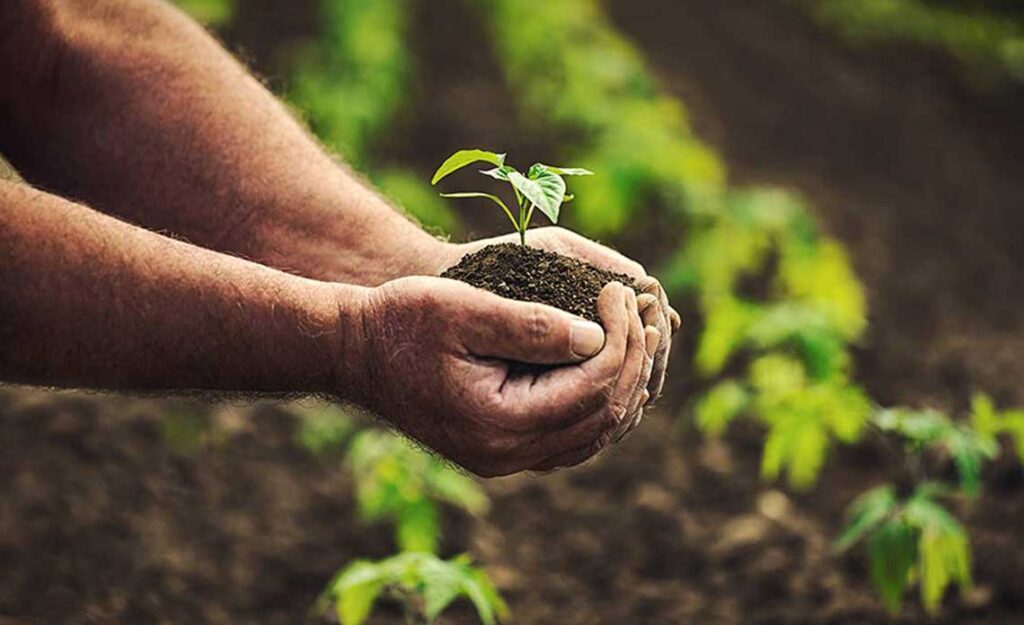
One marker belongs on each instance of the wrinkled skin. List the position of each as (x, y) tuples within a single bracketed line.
[(451, 345), (653, 305)]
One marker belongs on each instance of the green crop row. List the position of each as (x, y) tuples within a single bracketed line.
[(780, 356), (351, 82), (576, 74), (984, 40)]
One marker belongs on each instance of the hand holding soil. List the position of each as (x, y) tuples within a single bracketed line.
[(652, 301), (438, 361)]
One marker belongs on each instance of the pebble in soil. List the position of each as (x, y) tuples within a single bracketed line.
[(529, 274)]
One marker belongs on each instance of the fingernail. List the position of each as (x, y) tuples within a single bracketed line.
[(645, 398), (651, 339), (586, 338)]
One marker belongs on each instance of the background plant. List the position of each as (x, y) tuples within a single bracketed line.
[(778, 355), (986, 37), (909, 535)]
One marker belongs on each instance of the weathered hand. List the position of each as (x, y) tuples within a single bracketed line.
[(438, 355), (654, 307)]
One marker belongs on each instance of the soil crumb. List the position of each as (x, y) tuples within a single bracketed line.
[(532, 275)]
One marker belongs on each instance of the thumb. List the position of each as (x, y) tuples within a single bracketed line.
[(529, 332)]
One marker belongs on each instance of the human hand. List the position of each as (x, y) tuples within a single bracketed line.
[(654, 307), (437, 357)]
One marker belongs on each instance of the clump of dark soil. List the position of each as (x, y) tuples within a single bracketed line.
[(529, 274)]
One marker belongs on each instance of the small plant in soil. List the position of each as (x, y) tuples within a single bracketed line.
[(519, 271), (543, 186), (909, 535)]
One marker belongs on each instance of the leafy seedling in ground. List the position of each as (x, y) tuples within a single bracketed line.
[(519, 271), (543, 186)]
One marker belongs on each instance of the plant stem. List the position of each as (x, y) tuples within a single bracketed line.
[(522, 221)]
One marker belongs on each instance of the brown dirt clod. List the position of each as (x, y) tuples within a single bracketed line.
[(529, 274)]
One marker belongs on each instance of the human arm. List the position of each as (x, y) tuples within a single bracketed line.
[(87, 300), (131, 107)]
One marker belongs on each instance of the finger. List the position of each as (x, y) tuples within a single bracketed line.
[(658, 317), (636, 421), (565, 395), (580, 435), (527, 332), (622, 398), (575, 456), (638, 399), (675, 320), (645, 301)]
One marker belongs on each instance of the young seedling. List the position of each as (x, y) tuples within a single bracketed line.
[(543, 186), (421, 583), (913, 537)]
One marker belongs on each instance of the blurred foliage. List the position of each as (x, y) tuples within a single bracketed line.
[(574, 74), (324, 429), (989, 421), (401, 483), (571, 69), (923, 430), (914, 539), (988, 40), (351, 82), (424, 584), (352, 79), (209, 12)]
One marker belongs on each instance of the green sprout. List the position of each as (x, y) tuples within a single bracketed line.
[(423, 584), (543, 186)]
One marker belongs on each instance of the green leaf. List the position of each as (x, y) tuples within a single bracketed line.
[(418, 528), (499, 173), (494, 198), (892, 550), (866, 513), (984, 417), (719, 406), (488, 603), (546, 191), (945, 559), (466, 157), (444, 584), (356, 590), (566, 171)]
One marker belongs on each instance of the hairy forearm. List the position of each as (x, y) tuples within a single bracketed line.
[(87, 300), (132, 108)]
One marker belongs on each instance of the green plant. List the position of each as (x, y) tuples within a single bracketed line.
[(350, 84), (913, 538), (573, 72), (924, 431), (989, 421), (543, 186), (908, 539), (397, 482), (400, 483), (988, 38), (423, 584)]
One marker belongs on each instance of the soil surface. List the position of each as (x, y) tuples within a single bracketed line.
[(106, 516), (529, 274)]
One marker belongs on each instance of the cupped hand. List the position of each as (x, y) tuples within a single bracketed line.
[(653, 304), (439, 357)]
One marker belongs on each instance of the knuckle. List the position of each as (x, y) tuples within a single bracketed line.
[(539, 325)]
